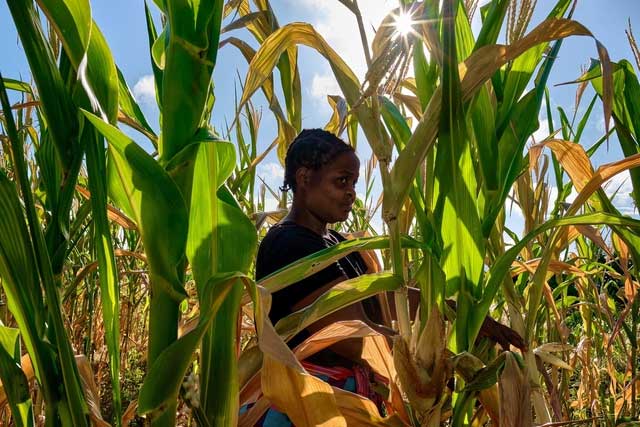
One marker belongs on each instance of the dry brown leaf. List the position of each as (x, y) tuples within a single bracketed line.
[(555, 266), (91, 393), (515, 395), (113, 214), (129, 413), (307, 400)]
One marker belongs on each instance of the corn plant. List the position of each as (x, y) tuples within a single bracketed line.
[(481, 117), (187, 207)]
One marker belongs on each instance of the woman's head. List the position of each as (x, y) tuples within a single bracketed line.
[(322, 171)]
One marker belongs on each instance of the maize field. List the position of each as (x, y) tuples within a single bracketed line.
[(127, 248)]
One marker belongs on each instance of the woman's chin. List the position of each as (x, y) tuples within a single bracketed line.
[(344, 215)]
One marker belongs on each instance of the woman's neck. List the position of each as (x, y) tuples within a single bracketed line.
[(306, 218)]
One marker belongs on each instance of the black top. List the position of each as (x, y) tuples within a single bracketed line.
[(287, 242)]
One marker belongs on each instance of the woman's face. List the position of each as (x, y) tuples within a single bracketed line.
[(330, 191)]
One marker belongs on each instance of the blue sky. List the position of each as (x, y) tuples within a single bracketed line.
[(123, 23)]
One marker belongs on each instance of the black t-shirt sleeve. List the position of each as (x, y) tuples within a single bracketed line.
[(280, 248)]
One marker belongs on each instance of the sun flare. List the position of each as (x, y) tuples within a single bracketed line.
[(404, 23)]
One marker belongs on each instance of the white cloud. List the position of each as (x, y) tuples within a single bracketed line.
[(270, 204), (323, 85), (601, 124), (542, 132), (621, 186), (144, 90), (270, 170)]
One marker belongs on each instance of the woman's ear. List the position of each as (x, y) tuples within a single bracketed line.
[(302, 177)]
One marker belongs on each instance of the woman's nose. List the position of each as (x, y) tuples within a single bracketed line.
[(351, 191)]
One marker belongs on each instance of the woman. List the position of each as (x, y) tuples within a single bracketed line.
[(321, 171)]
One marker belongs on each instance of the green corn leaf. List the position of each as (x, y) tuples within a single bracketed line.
[(152, 35), (464, 36), (76, 409), (88, 51), (626, 110), (341, 295), (425, 75), (108, 273), (14, 381), (493, 17), (523, 67), (101, 85), (55, 100), (214, 221), (50, 169), (456, 213), (502, 264), (20, 281), (72, 21), (305, 267), (191, 51), (400, 133), (131, 109), (159, 49), (221, 239), (584, 120), (20, 86), (144, 191), (165, 377)]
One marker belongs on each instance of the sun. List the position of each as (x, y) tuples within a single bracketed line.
[(404, 23)]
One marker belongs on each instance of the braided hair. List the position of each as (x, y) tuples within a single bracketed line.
[(312, 148)]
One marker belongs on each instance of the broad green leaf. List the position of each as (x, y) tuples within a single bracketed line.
[(341, 295), (144, 191), (55, 100), (502, 264), (191, 50), (19, 274), (214, 223), (456, 212), (400, 133), (152, 35), (101, 84), (425, 75), (313, 263), (162, 384), (491, 23), (221, 239), (103, 245), (158, 49), (72, 21), (50, 169), (626, 110), (74, 408), (131, 109), (522, 69), (88, 51), (18, 85), (14, 381)]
